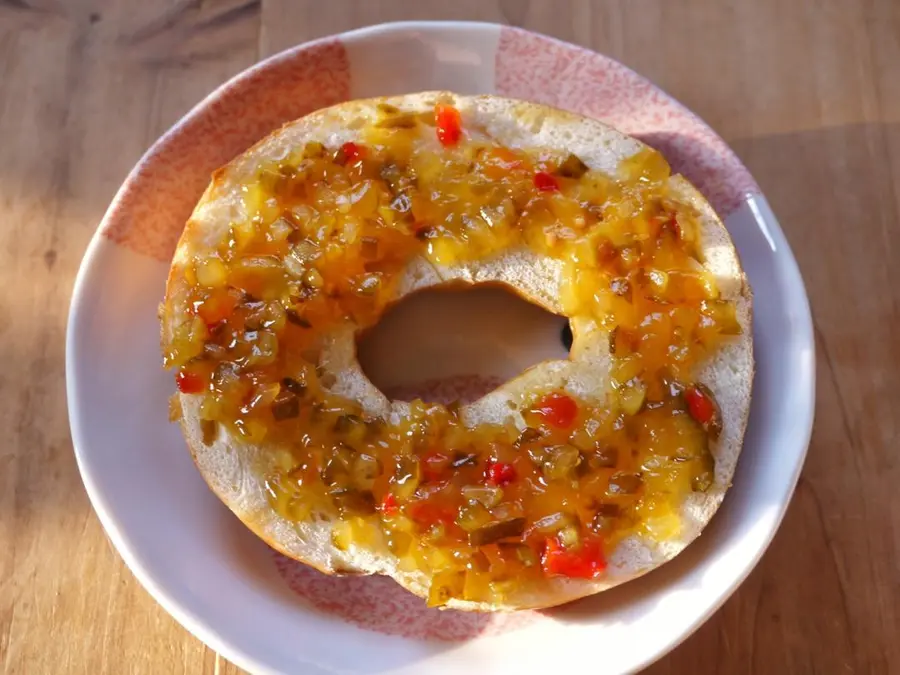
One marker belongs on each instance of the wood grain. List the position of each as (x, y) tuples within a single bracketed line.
[(807, 93)]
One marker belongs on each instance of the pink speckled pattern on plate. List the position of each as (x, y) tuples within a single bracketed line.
[(159, 196), (537, 68), (379, 604)]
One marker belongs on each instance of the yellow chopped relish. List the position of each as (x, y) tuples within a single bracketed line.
[(481, 510)]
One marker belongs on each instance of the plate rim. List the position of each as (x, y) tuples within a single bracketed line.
[(189, 619)]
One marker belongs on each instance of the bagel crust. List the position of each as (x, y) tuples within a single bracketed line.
[(238, 461)]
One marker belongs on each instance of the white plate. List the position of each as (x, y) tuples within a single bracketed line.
[(269, 615)]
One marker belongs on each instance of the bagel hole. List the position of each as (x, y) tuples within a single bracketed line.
[(446, 344)]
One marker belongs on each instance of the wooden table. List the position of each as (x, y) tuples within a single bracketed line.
[(808, 94)]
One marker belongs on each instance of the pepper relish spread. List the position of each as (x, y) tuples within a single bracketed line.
[(327, 234)]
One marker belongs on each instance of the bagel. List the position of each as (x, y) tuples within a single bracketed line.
[(575, 476)]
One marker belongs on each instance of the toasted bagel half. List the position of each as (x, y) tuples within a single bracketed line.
[(238, 465)]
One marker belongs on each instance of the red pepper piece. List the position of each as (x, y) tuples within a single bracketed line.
[(587, 562), (389, 504), (449, 125), (188, 382), (352, 152), (558, 410), (434, 466), (700, 406), (544, 182), (428, 513), (500, 473)]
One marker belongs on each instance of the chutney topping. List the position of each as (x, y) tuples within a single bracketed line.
[(327, 233)]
